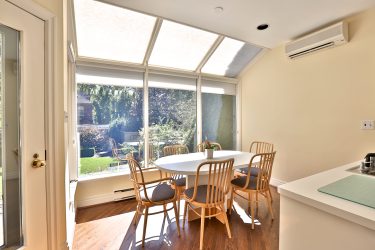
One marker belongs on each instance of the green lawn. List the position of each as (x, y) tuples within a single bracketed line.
[(95, 164)]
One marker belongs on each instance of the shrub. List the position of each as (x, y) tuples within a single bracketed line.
[(93, 138), (116, 127), (87, 152)]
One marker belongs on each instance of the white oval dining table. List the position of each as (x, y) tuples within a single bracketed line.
[(187, 164)]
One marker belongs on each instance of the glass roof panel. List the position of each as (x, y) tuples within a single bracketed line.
[(181, 47), (109, 32), (230, 58)]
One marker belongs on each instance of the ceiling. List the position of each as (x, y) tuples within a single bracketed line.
[(287, 19)]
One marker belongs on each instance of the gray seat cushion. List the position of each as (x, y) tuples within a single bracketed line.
[(180, 182), (159, 192), (241, 181), (253, 171), (201, 193)]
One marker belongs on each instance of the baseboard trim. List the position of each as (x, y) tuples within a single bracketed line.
[(103, 198), (110, 197), (276, 182)]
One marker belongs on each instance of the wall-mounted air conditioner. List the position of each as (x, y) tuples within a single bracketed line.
[(329, 37)]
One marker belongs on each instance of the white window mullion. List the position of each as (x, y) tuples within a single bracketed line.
[(199, 110), (145, 118), (238, 117)]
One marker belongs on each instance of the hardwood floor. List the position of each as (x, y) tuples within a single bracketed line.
[(110, 226)]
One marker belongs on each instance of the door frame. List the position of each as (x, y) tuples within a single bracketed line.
[(54, 120)]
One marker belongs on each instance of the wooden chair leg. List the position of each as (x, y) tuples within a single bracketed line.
[(251, 210), (249, 201), (177, 218), (184, 218), (165, 210), (257, 200), (269, 203), (203, 216), (144, 227), (178, 206), (136, 216), (231, 201), (227, 225), (269, 191)]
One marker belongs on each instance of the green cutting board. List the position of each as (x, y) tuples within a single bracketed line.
[(355, 188)]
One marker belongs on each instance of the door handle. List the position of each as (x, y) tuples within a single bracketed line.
[(37, 163)]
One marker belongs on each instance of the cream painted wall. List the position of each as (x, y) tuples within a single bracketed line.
[(311, 107)]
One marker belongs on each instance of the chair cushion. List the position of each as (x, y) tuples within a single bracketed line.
[(241, 181), (253, 171), (159, 192), (201, 193), (180, 182)]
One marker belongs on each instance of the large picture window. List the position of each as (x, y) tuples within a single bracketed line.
[(110, 117), (172, 113), (110, 121)]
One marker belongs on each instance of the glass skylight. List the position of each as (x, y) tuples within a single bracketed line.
[(108, 32), (181, 47), (230, 58)]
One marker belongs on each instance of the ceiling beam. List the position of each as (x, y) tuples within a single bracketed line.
[(209, 53), (153, 38), (123, 66)]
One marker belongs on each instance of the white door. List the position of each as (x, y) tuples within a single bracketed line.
[(29, 68)]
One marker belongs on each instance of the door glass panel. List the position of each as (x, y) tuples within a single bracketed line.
[(10, 171)]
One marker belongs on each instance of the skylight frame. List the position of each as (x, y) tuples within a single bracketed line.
[(177, 27), (152, 22), (165, 70)]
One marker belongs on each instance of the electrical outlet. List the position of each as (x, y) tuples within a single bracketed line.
[(367, 124)]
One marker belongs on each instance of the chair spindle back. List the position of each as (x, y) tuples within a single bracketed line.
[(219, 175), (259, 147)]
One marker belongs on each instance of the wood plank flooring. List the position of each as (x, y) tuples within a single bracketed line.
[(110, 226)]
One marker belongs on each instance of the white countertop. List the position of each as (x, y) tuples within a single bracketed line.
[(305, 190), (187, 164)]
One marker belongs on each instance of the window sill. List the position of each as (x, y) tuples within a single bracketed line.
[(106, 176)]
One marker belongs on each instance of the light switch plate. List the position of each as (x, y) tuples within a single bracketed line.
[(367, 124)]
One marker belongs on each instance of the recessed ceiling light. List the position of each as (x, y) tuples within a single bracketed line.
[(218, 9), (262, 26)]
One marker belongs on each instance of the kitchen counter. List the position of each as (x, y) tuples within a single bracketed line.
[(310, 219)]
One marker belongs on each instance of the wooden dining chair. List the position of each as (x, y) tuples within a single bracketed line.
[(256, 147), (151, 193), (117, 153), (254, 185), (201, 146), (212, 195), (175, 150), (180, 180)]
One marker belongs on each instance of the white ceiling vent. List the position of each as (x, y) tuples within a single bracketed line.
[(331, 36)]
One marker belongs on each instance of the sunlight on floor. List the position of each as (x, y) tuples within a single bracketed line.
[(118, 225), (245, 217), (157, 226)]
